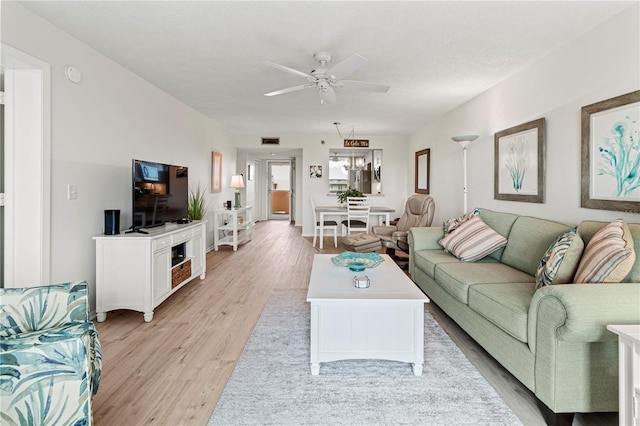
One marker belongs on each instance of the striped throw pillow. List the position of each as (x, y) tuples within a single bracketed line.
[(473, 240), (609, 256), (554, 257), (451, 224)]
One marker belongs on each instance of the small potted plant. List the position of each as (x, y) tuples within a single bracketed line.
[(349, 192), (197, 204)]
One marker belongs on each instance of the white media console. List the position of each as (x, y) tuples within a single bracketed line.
[(139, 271)]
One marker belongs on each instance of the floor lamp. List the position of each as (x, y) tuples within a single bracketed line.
[(464, 141), (237, 183)]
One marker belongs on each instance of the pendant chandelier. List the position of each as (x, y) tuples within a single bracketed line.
[(353, 163)]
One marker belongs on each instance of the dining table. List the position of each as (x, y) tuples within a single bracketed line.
[(383, 213)]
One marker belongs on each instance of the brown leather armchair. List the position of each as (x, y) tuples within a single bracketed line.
[(418, 212)]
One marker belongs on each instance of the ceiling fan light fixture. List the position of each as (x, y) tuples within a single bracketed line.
[(325, 79), (322, 57)]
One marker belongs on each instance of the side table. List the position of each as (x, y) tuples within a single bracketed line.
[(232, 226), (629, 372)]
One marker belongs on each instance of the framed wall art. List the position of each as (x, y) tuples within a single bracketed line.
[(611, 154), (250, 171), (423, 160), (216, 171), (315, 171), (519, 163)]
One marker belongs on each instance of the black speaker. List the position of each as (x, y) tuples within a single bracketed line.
[(111, 222)]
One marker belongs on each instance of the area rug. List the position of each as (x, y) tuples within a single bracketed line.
[(272, 382)]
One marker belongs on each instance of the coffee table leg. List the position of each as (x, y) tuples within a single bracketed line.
[(417, 369), (315, 369)]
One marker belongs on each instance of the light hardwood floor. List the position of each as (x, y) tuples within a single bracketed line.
[(172, 370)]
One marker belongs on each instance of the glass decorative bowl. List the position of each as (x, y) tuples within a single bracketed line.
[(357, 262)]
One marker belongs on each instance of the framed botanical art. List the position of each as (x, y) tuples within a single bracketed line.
[(611, 154), (216, 172), (519, 163)]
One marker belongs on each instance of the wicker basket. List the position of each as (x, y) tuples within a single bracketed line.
[(180, 273)]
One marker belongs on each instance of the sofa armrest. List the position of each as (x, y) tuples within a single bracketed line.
[(384, 230), (65, 362), (581, 312), (400, 236), (23, 310), (423, 238)]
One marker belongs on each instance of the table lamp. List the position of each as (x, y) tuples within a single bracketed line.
[(237, 183)]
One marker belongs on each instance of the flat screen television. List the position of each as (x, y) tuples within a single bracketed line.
[(160, 193)]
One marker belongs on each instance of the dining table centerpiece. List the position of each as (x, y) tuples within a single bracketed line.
[(349, 192)]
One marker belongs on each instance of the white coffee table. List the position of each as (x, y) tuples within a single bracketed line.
[(384, 321)]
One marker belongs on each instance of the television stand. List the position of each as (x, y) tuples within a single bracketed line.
[(137, 271)]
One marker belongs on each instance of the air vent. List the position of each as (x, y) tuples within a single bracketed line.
[(270, 141)]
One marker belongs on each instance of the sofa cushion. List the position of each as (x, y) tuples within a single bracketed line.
[(558, 265), (505, 305), (529, 239), (473, 240), (499, 222), (427, 260), (455, 278), (609, 255)]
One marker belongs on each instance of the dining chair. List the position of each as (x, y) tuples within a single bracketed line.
[(328, 224), (358, 209)]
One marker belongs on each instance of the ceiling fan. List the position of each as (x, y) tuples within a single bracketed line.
[(325, 79)]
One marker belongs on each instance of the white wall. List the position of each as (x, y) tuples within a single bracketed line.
[(601, 64), (98, 127), (395, 170)]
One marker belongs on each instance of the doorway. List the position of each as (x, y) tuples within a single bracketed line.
[(26, 154), (279, 190), (2, 176)]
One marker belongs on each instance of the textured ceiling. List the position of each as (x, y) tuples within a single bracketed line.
[(434, 55)]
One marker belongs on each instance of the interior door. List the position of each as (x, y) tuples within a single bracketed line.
[(2, 179), (279, 190)]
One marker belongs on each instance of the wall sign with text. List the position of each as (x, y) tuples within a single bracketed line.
[(356, 143)]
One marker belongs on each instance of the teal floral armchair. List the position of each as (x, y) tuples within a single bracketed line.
[(50, 358)]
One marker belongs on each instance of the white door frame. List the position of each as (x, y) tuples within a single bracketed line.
[(270, 163), (27, 168), (292, 197)]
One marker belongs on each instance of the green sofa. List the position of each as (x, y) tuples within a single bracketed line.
[(554, 339)]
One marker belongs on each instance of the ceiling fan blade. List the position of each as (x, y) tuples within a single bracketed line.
[(346, 67), (363, 85), (288, 70), (327, 96), (290, 89)]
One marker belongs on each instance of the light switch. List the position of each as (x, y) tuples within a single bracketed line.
[(72, 192)]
